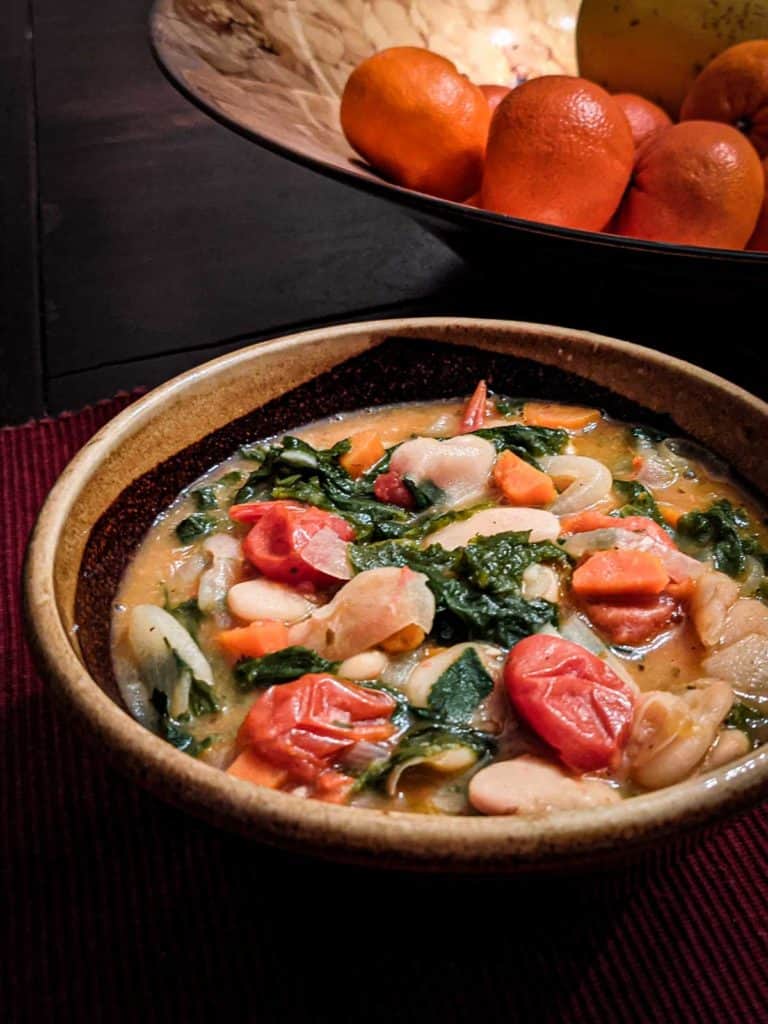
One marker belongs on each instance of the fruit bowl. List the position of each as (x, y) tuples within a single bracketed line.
[(274, 72), (107, 498)]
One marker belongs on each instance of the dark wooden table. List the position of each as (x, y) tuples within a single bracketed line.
[(138, 238)]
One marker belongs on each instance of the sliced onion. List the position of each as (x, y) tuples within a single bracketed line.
[(371, 607), (591, 481), (224, 545), (448, 761), (678, 565), (362, 755), (327, 553), (157, 640), (656, 472), (134, 692)]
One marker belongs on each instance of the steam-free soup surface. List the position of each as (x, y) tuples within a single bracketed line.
[(473, 606)]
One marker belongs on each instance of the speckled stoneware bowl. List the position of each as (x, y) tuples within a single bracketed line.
[(110, 493), (274, 70)]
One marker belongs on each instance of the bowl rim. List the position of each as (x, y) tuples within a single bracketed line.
[(385, 838), (367, 180)]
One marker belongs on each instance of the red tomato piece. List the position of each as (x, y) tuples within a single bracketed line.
[(571, 699), (281, 530), (305, 726), (582, 522), (389, 487), (634, 621)]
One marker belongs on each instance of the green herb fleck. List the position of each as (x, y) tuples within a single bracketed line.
[(195, 526)]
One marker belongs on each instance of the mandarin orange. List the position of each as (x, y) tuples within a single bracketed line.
[(415, 118), (560, 151), (734, 88), (494, 94), (645, 118), (697, 183), (759, 239)]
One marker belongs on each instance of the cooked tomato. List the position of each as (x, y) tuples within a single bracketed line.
[(304, 727), (281, 530), (389, 487), (571, 699), (633, 621)]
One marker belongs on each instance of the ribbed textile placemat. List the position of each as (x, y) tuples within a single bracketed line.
[(117, 908)]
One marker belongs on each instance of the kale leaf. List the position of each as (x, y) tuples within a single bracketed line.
[(280, 667), (455, 696), (195, 526), (172, 730), (509, 406), (477, 589), (723, 532), (425, 741), (748, 720), (638, 501), (530, 443)]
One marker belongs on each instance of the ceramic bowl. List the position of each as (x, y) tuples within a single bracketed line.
[(273, 70), (109, 494)]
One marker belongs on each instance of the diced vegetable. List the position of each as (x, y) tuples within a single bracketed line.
[(571, 699), (370, 608), (406, 639), (255, 640), (564, 417), (521, 483), (304, 727), (365, 450), (632, 621), (282, 666), (475, 411), (620, 573), (281, 532), (389, 487)]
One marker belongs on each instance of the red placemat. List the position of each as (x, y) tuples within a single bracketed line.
[(118, 908)]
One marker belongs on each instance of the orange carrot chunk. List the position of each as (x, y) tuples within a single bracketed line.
[(521, 483), (566, 417), (671, 513), (250, 766), (264, 636), (365, 451), (617, 573)]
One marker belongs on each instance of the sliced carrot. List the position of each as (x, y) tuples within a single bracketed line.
[(617, 573), (475, 409), (265, 636), (566, 417), (249, 766), (671, 513), (521, 483), (406, 639), (365, 451)]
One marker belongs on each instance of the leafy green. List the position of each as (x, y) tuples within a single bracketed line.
[(202, 698), (529, 443), (639, 501), (509, 406), (425, 494), (195, 526), (647, 435), (425, 742), (173, 729), (478, 588), (457, 692), (205, 498), (295, 470), (723, 532), (748, 720), (280, 667), (187, 614)]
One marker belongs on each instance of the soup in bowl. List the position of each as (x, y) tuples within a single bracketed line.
[(518, 626)]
